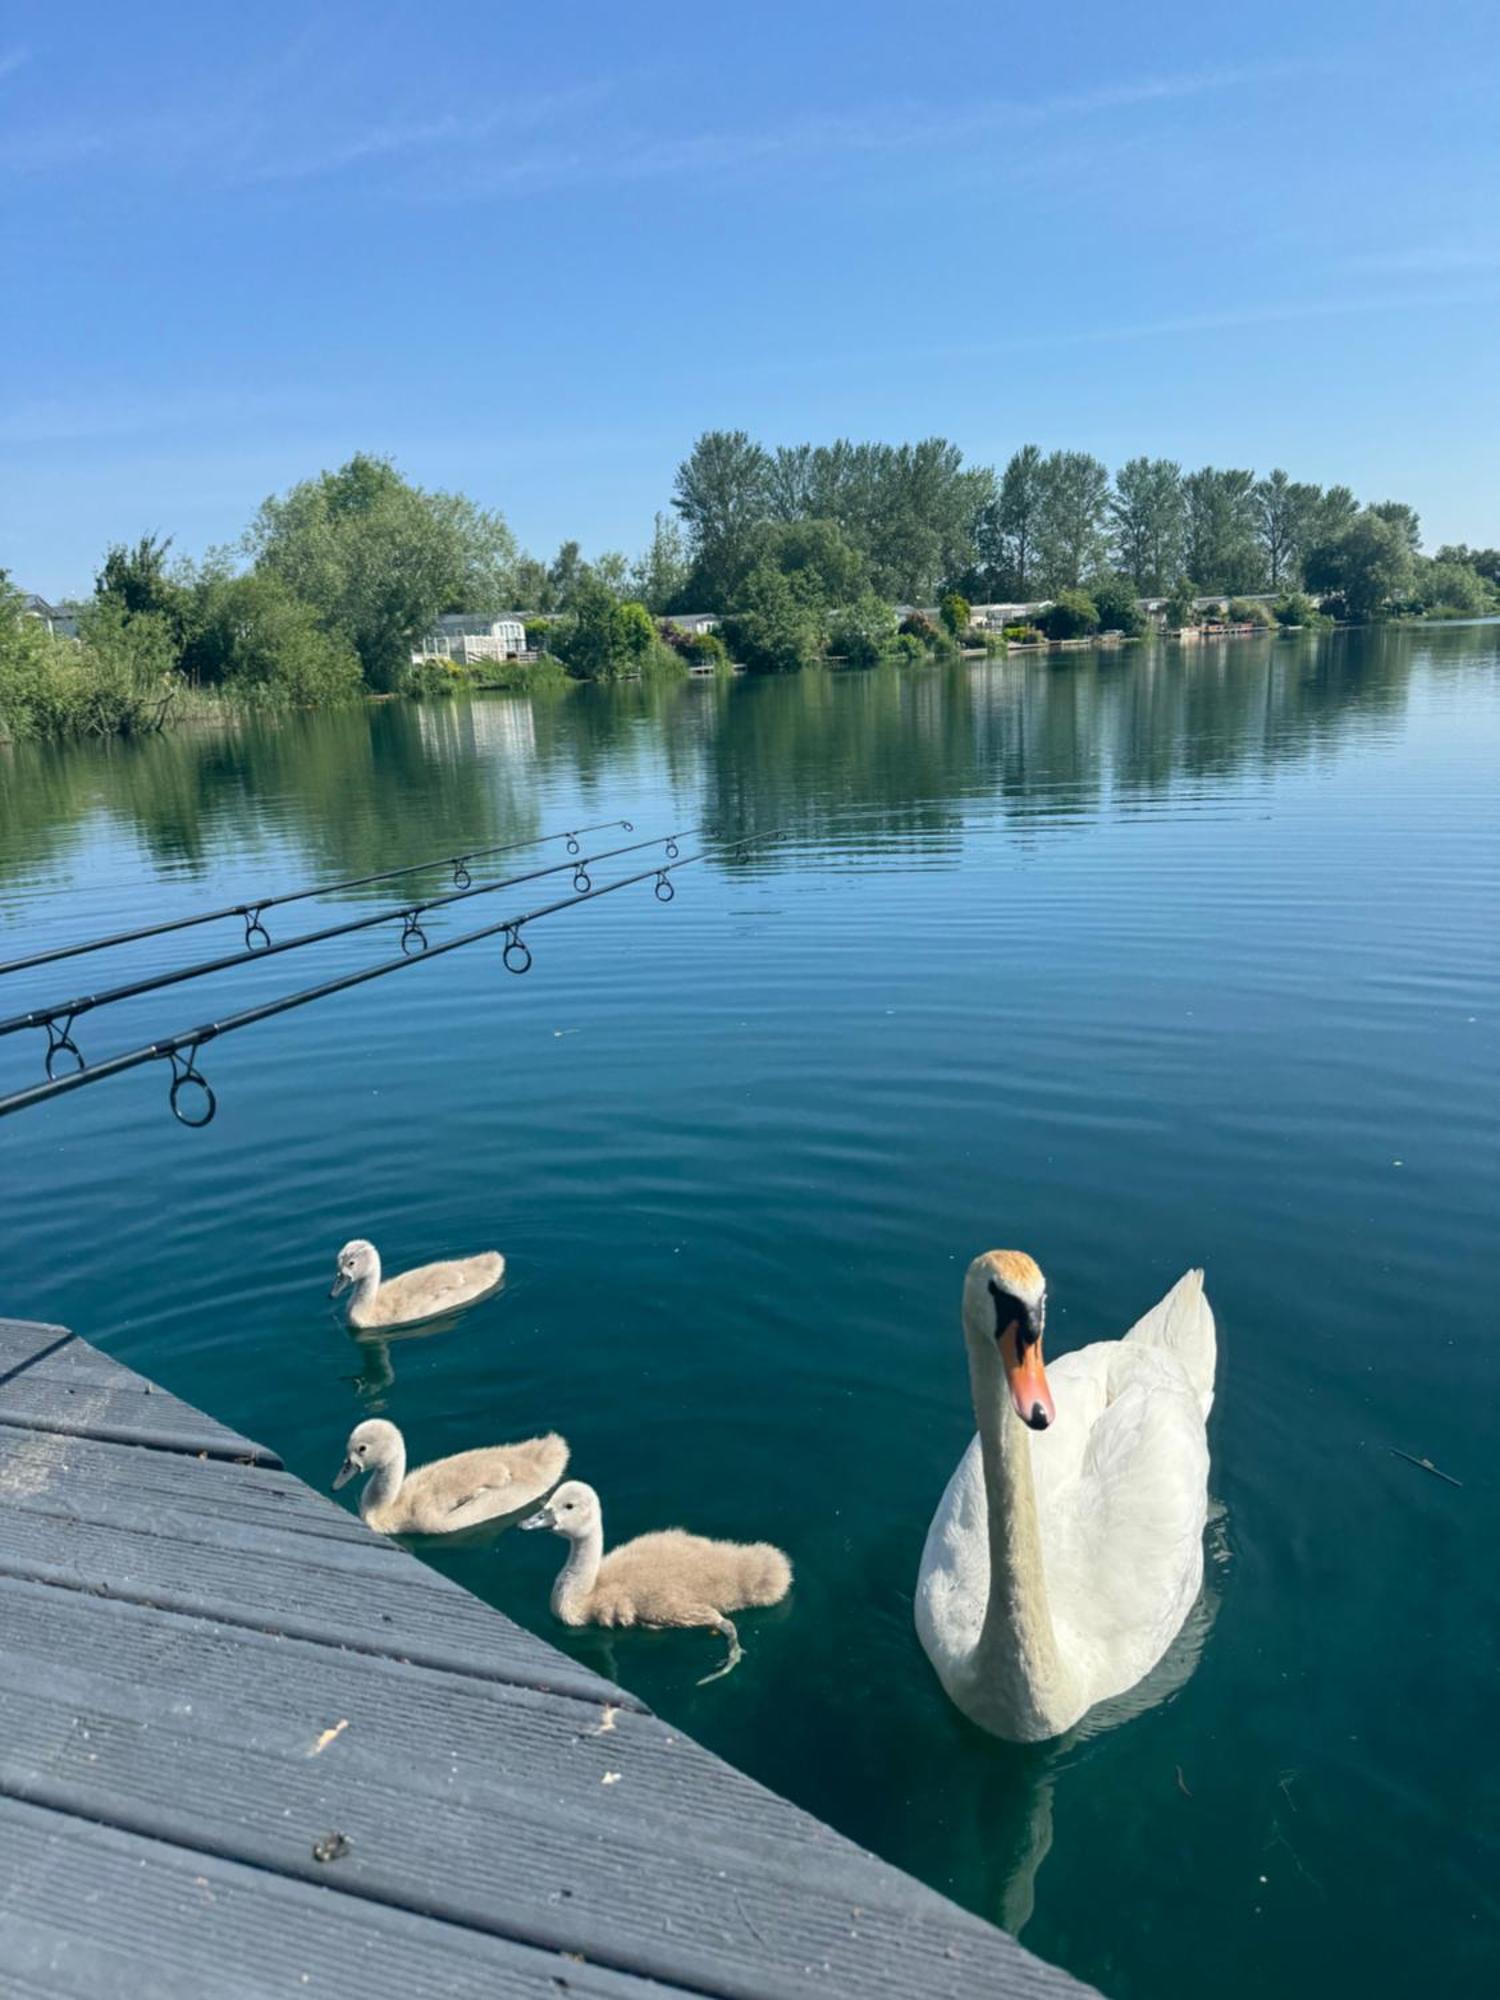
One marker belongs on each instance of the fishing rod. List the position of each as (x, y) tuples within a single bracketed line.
[(253, 913), (181, 1050), (58, 1018)]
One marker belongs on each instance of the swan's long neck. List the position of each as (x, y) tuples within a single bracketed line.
[(578, 1575), (1016, 1659), (384, 1483), (362, 1298)]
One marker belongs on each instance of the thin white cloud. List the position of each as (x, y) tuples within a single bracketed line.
[(1426, 261), (877, 128), (11, 60)]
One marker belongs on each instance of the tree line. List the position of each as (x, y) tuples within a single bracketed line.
[(911, 522), (804, 551)]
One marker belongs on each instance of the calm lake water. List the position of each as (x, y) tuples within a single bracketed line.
[(1135, 961)]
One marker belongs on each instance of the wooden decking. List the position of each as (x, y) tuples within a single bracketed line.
[(247, 1747)]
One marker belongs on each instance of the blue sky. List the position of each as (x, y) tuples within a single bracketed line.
[(532, 251)]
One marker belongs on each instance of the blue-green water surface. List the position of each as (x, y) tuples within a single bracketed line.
[(1133, 960)]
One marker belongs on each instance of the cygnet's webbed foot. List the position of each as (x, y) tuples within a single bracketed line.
[(725, 1626)]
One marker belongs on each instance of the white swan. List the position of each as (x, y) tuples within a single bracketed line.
[(1068, 1548), (450, 1493), (426, 1293), (670, 1578)]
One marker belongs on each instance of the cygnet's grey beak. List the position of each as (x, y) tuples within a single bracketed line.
[(340, 1284), (345, 1473), (542, 1518)]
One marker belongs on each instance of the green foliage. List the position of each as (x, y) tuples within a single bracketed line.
[(251, 635), (137, 581), (1246, 611), (434, 679), (1023, 635), (1297, 610), (1485, 561), (863, 632), (525, 676), (1286, 513), (1222, 548), (825, 566), (1367, 564), (1405, 520), (1071, 615), (1452, 589), (1148, 516), (1007, 529), (955, 614), (608, 641), (659, 575), (777, 627), (907, 512), (1115, 602), (1070, 520), (1179, 610), (917, 625), (379, 559)]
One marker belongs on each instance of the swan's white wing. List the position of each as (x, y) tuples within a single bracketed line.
[(1182, 1324), (1124, 1544)]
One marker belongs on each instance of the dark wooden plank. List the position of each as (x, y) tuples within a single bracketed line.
[(615, 1882), (558, 1746), (213, 1501), (90, 1913), (51, 1381), (353, 1597), (215, 1666)]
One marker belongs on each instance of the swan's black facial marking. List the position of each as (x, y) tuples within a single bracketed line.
[(1013, 1312)]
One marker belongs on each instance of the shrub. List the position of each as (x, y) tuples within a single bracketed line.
[(1071, 615), (1115, 601), (864, 631), (1023, 635), (907, 650), (776, 627), (1246, 611), (522, 676), (955, 614), (1296, 608), (917, 625), (1178, 610), (428, 678), (696, 649)]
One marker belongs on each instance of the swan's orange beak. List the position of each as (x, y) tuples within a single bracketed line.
[(1026, 1379)]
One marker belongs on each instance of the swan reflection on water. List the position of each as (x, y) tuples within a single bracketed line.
[(1013, 1817)]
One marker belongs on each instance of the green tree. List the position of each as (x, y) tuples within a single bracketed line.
[(1485, 561), (722, 492), (862, 632), (1368, 564), (829, 570), (776, 627), (1071, 518), (1405, 520), (1114, 600), (1285, 515), (1071, 615), (1009, 528), (1332, 512), (1180, 610), (955, 612), (1222, 548), (660, 573), (379, 559), (253, 636), (1453, 587), (138, 581), (1147, 516)]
